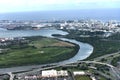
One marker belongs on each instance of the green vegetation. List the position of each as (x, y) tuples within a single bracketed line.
[(115, 36), (83, 77), (39, 50), (102, 78), (101, 45), (115, 60)]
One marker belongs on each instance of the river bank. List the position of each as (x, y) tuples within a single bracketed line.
[(84, 51), (36, 50)]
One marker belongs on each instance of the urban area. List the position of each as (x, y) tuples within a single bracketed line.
[(104, 66)]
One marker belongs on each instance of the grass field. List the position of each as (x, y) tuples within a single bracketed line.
[(38, 51), (84, 77)]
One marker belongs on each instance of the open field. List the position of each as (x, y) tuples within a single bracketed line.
[(84, 77), (50, 42), (39, 50)]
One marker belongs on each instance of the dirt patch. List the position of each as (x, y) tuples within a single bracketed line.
[(61, 43)]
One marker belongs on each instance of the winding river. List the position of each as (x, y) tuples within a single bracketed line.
[(84, 51)]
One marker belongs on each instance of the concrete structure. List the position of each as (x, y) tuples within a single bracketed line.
[(79, 73), (54, 73), (62, 73), (49, 73)]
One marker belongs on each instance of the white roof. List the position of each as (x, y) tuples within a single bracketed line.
[(79, 73), (62, 73), (49, 73)]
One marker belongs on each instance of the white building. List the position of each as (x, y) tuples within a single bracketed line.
[(62, 73), (79, 73), (54, 73), (49, 73)]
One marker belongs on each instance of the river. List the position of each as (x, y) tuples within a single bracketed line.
[(84, 51)]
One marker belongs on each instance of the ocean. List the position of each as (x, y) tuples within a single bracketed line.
[(98, 14)]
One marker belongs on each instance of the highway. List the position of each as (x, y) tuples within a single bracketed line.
[(114, 70)]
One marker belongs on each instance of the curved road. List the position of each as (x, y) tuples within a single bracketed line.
[(114, 69), (84, 51)]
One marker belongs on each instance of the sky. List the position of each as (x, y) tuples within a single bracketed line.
[(46, 5)]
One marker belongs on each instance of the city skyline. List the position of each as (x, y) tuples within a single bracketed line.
[(46, 5)]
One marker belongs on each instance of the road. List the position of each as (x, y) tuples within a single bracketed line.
[(84, 51), (113, 69), (105, 56)]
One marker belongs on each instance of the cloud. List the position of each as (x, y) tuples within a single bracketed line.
[(96, 1), (29, 5), (50, 2)]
